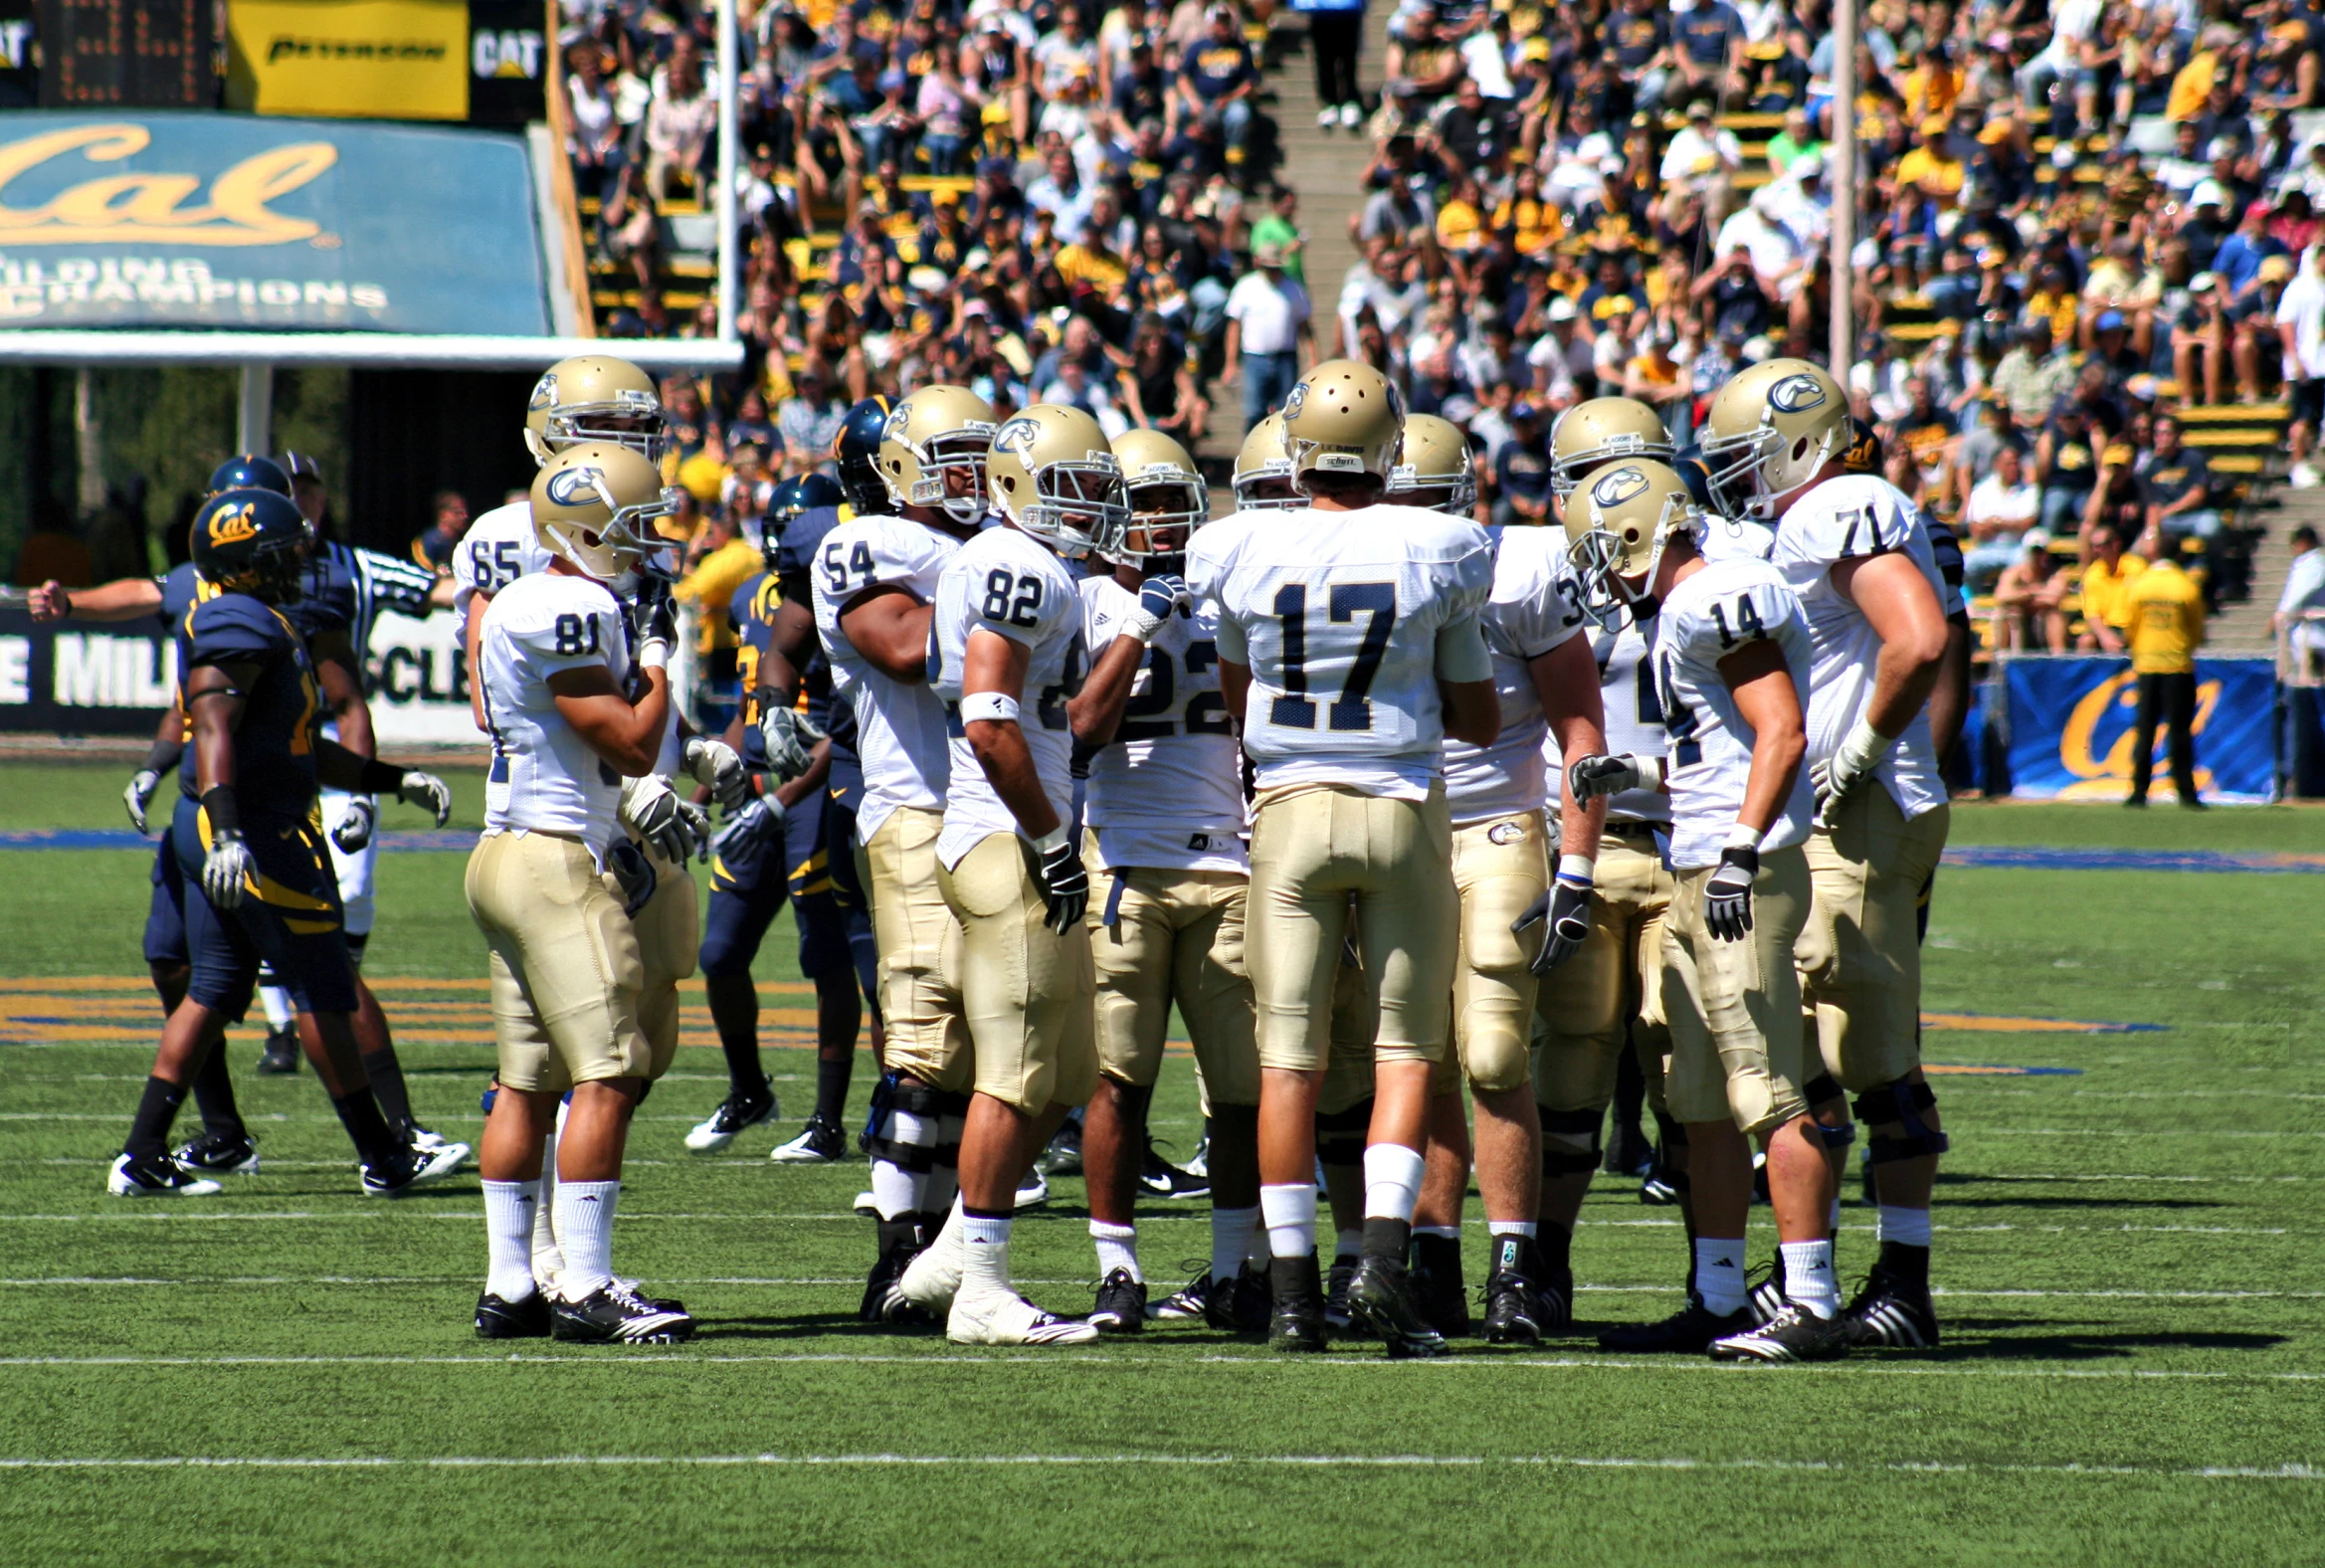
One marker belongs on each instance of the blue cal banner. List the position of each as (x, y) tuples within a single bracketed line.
[(2070, 729), (203, 220)]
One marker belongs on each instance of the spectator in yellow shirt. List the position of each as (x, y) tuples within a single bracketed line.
[(720, 562), (2167, 625), (2109, 572), (1931, 168), (1932, 86)]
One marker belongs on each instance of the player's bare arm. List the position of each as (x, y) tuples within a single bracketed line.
[(1896, 599), (628, 737), (338, 671), (126, 599), (889, 627), (992, 681), (1566, 679), (791, 639), (1764, 697), (1473, 711), (1095, 713)]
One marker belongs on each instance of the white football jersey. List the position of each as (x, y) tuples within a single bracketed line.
[(545, 777), (1856, 516), (1338, 615), (1168, 792), (900, 724), (1535, 605), (1007, 582), (1736, 539), (499, 548), (1703, 619), (1633, 712)]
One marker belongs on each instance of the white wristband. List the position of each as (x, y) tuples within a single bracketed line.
[(1578, 869), (1652, 771), (988, 707), (1742, 836), (654, 654), (1141, 627), (1055, 838)]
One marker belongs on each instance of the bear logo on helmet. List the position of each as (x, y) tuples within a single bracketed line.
[(544, 392), (233, 525), (1796, 394), (1018, 435), (1296, 401), (1618, 485), (574, 486)]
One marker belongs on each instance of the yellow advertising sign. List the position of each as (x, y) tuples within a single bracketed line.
[(353, 59), (146, 209)]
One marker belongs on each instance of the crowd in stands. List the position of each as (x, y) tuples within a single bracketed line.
[(2076, 219)]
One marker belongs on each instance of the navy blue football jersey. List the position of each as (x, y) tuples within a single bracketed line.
[(794, 556), (273, 747)]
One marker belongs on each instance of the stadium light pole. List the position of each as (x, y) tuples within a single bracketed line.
[(1843, 157), (254, 425), (729, 44)]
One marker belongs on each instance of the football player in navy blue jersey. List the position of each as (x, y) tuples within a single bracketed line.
[(257, 879), (782, 845)]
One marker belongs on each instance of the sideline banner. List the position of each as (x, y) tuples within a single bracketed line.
[(360, 59), (2071, 723), (204, 220), (417, 678)]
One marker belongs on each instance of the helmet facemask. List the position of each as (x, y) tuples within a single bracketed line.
[(1604, 560), (1165, 511), (952, 473), (1078, 506), (632, 420), (618, 553), (1457, 498)]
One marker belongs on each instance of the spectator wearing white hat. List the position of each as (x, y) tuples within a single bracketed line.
[(1562, 352), (2300, 325)]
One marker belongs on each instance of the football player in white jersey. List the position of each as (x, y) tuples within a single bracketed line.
[(1350, 650), (1009, 655), (874, 583), (1165, 814), (1502, 868), (1855, 552), (1731, 666), (1263, 471), (568, 725)]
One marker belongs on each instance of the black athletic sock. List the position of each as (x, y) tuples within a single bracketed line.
[(1630, 1093), (745, 1075), (831, 1088), (214, 1096), (1907, 1262), (387, 1085), (156, 1109), (904, 1230), (1386, 1239), (1557, 1245), (366, 1127), (1439, 1255)]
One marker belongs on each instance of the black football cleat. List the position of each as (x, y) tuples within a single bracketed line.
[(1435, 1276), (883, 1301), (1159, 1178), (527, 1318), (1121, 1307), (1891, 1314), (1383, 1299), (1628, 1153), (280, 1055), (1517, 1312), (1793, 1334), (1336, 1315), (818, 1144), (1189, 1303), (736, 1114), (153, 1176), (1764, 1290), (614, 1313), (412, 1168), (1296, 1321), (1062, 1156), (1690, 1331), (217, 1154)]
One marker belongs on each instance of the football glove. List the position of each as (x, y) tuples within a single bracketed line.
[(354, 834), (139, 795), (1591, 777), (790, 738), (650, 809), (1065, 885), (658, 626), (1567, 907), (747, 831), (633, 873), (1727, 896), (714, 762), (227, 869), (1843, 774), (428, 792), (697, 823), (1159, 598)]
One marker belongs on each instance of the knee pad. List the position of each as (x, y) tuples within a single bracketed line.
[(1900, 1101), (1840, 1137), (1340, 1135), (1822, 1088), (1561, 1160), (914, 1099), (1136, 1100)]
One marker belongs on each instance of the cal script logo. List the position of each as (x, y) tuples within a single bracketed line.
[(149, 208)]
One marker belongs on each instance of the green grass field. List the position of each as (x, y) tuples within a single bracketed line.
[(2133, 1297)]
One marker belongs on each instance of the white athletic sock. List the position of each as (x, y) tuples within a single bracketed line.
[(1808, 1276), (548, 1260), (896, 1191), (1528, 1229), (585, 1233), (1291, 1215), (944, 1181), (509, 1236), (1444, 1233), (1118, 1248), (1833, 1220), (1348, 1244), (984, 1251), (1719, 1274), (1231, 1241), (277, 1002), (1391, 1181), (1906, 1226)]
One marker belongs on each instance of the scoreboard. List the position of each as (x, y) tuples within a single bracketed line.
[(127, 54)]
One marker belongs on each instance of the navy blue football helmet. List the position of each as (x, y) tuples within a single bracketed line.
[(247, 472), (251, 541), (858, 452)]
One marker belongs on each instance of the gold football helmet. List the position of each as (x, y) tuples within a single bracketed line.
[(1433, 468), (1769, 431), (597, 507), (1600, 430), (1055, 477), (932, 451), (1166, 495), (1344, 417), (594, 397), (1263, 477), (1615, 527)]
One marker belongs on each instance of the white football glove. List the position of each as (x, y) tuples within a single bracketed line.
[(1591, 777), (790, 738), (1843, 774), (747, 831), (227, 869), (428, 792), (650, 809), (354, 831), (714, 762), (139, 795)]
